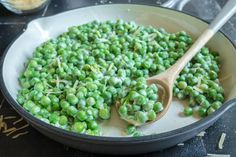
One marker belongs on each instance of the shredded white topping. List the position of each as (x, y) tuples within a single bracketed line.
[(180, 144), (201, 134), (222, 139), (218, 155), (198, 89)]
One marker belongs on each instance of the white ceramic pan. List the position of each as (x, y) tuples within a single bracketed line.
[(171, 129)]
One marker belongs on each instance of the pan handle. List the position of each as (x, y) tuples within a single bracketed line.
[(175, 4)]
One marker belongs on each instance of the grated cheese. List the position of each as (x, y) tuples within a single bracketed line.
[(20, 134), (201, 134), (9, 117), (19, 120), (221, 142), (218, 155), (180, 144)]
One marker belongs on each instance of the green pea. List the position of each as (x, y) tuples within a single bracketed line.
[(28, 105), (188, 111), (157, 107), (153, 87), (153, 96), (93, 125), (71, 110), (106, 95), (92, 86), (79, 127), (39, 87), (54, 118), (133, 95), (123, 110), (130, 129), (63, 120), (104, 113), (80, 95), (33, 64), (99, 103), (213, 75), (35, 109), (151, 115), (200, 99), (64, 104), (216, 105), (90, 101), (72, 99), (20, 99), (70, 91), (137, 134), (204, 87), (81, 115), (83, 90), (141, 100), (202, 111), (136, 107), (141, 117), (212, 93), (114, 81), (210, 110), (45, 101), (142, 92), (181, 95), (95, 113), (182, 85), (148, 106)]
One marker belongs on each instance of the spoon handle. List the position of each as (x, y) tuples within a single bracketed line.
[(228, 11)]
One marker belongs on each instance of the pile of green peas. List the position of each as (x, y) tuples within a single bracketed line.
[(141, 103), (72, 81), (199, 82)]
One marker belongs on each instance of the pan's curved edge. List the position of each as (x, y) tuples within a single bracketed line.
[(191, 129)]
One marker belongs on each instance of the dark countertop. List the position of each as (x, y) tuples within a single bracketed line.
[(37, 145)]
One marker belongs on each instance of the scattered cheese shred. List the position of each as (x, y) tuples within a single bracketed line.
[(19, 120), (198, 89), (222, 139), (201, 134), (9, 117), (20, 134), (218, 155), (180, 144)]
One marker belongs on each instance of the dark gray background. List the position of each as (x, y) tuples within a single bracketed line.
[(37, 145)]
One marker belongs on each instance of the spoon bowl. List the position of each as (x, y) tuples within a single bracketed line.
[(165, 86), (165, 94)]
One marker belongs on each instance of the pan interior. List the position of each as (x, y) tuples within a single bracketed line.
[(43, 29)]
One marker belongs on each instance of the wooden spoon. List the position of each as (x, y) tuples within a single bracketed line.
[(166, 79)]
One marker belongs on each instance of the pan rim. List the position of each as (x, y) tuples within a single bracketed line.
[(105, 139)]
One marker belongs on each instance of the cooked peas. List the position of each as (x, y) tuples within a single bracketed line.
[(142, 107), (72, 81), (188, 111), (104, 113), (63, 120)]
